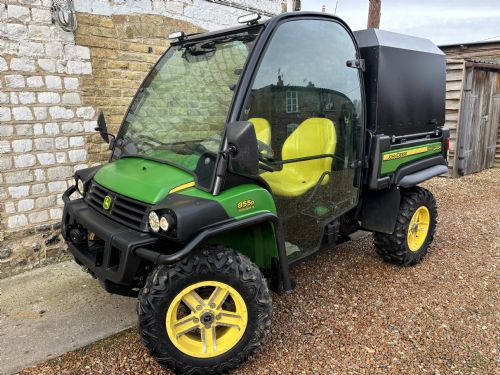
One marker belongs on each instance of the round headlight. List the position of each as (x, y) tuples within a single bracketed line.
[(154, 221), (80, 186), (164, 225), (167, 222)]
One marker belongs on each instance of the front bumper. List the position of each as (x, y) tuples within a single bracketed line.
[(112, 259)]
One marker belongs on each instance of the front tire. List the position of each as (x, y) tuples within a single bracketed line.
[(206, 314), (414, 231)]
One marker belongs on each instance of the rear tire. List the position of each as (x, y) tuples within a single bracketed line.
[(211, 344), (414, 231)]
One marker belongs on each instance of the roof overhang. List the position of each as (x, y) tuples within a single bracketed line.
[(493, 65)]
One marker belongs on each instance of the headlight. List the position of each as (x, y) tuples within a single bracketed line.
[(164, 225), (166, 222), (80, 186), (154, 221)]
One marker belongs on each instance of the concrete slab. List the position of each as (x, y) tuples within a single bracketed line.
[(52, 310)]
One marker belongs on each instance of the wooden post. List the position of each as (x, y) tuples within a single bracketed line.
[(374, 14)]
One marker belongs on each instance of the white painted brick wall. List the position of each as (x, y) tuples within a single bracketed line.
[(22, 113), (40, 72), (5, 114), (206, 14), (34, 81), (15, 81), (53, 82)]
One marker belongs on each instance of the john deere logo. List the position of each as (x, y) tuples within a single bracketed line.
[(106, 204)]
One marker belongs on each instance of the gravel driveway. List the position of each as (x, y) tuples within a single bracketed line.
[(353, 313)]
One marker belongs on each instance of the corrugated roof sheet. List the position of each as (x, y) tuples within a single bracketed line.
[(496, 41)]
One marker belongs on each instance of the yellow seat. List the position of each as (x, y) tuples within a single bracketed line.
[(314, 136), (262, 129)]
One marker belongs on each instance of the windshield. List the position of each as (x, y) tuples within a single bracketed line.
[(178, 115)]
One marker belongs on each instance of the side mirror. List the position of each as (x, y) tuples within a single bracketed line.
[(242, 148), (101, 127)]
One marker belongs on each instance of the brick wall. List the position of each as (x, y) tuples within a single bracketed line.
[(52, 85), (43, 123), (123, 49)]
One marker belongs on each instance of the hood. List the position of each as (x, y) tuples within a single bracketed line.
[(144, 180)]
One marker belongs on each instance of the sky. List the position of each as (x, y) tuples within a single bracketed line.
[(442, 21)]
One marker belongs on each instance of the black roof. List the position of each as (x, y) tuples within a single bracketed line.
[(384, 38)]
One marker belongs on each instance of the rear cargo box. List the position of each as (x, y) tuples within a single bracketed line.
[(405, 82)]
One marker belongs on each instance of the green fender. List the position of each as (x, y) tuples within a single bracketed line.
[(257, 242)]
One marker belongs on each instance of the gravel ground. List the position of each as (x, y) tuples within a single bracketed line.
[(353, 313)]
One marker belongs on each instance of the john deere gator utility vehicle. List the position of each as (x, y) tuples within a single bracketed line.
[(246, 150)]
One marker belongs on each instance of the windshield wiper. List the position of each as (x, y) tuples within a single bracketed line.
[(205, 47), (184, 142), (201, 49)]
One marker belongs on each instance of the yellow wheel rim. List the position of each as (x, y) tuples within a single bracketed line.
[(418, 228), (206, 319)]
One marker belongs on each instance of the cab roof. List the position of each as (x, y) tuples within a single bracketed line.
[(270, 21)]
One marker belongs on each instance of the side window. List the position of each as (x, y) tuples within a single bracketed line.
[(303, 76)]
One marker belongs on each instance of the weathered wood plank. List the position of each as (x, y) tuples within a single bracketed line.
[(496, 117), (453, 85), (453, 66), (482, 51), (455, 94), (454, 75), (451, 116), (479, 127), (452, 104)]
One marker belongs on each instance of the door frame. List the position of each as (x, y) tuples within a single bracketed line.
[(464, 129), (249, 75)]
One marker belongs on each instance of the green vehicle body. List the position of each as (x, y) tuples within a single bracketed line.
[(381, 164), (246, 151), (150, 182)]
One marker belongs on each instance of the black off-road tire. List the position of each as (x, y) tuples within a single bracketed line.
[(393, 248), (209, 263)]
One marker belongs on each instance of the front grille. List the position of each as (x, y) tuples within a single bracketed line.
[(126, 211)]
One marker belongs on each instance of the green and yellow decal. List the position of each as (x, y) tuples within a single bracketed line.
[(245, 205), (106, 204), (392, 160)]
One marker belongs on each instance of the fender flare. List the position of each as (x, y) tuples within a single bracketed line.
[(414, 179), (169, 259), (418, 171)]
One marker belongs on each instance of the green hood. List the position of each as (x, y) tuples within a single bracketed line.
[(144, 180)]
